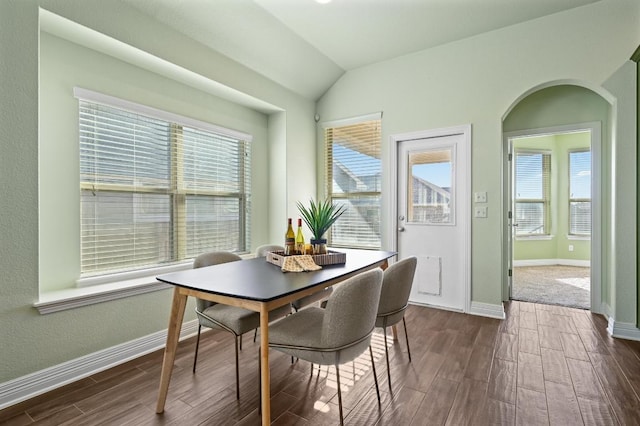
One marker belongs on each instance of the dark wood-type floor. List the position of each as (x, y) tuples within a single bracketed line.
[(542, 365)]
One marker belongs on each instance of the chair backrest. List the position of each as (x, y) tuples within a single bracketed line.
[(214, 258), (396, 285), (208, 259), (262, 250), (351, 310)]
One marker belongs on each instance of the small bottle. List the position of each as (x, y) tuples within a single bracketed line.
[(289, 240), (300, 239)]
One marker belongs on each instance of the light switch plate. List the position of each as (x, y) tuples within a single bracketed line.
[(480, 212), (480, 197)]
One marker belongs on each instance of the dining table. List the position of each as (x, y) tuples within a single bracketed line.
[(257, 285)]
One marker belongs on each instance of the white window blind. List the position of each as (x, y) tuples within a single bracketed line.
[(580, 192), (354, 180), (532, 192), (157, 192)]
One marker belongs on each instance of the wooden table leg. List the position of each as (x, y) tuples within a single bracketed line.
[(173, 335), (264, 366)]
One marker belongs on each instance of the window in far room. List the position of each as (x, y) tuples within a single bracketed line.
[(156, 188), (354, 172), (532, 192), (580, 193)]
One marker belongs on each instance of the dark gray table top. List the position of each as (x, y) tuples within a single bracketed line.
[(257, 279)]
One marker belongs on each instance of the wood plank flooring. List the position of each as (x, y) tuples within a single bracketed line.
[(542, 365)]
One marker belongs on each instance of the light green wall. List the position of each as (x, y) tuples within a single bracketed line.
[(19, 195), (624, 193), (557, 245), (476, 81), (30, 341)]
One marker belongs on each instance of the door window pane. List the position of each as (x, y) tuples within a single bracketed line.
[(431, 187)]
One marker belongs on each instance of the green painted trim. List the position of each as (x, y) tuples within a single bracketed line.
[(636, 58), (636, 55)]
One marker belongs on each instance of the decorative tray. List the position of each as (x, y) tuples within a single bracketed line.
[(331, 258)]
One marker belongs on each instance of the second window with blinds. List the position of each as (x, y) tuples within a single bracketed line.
[(354, 179)]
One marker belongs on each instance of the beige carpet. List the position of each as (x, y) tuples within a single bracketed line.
[(552, 285)]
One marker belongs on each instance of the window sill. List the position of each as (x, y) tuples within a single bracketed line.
[(535, 238), (62, 300), (578, 238)]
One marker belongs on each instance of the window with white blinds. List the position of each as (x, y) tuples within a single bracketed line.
[(532, 192), (580, 193), (354, 180), (155, 192)]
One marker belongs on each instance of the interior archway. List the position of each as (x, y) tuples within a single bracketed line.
[(549, 110)]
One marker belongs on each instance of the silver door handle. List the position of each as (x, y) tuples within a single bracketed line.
[(400, 228)]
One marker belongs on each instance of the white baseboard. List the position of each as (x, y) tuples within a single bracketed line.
[(605, 310), (441, 307), (477, 308), (548, 262), (623, 330), (487, 310), (39, 382)]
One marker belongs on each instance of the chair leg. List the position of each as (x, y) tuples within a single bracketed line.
[(255, 334), (375, 375), (237, 370), (339, 394), (407, 337), (386, 353), (195, 356), (259, 384)]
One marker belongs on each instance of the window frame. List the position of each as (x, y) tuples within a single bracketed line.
[(177, 192), (546, 159), (346, 196), (571, 200)]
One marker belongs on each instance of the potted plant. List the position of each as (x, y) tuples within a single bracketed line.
[(319, 217)]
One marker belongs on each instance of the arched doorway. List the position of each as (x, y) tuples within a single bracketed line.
[(551, 235)]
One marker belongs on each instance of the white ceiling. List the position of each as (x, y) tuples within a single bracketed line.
[(306, 46)]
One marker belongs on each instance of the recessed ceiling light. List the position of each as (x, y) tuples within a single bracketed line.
[(323, 1)]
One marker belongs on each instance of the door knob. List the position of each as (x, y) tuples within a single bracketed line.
[(400, 228)]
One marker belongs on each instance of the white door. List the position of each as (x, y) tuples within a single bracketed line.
[(433, 216)]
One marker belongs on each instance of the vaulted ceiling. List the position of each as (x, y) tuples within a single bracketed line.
[(306, 46)]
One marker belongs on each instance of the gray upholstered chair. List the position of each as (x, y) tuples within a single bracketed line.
[(394, 298), (303, 301), (233, 319), (337, 334)]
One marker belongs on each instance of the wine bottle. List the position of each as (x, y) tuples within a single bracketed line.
[(289, 240), (300, 238)]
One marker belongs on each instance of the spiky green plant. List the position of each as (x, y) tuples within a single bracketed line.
[(319, 216)]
